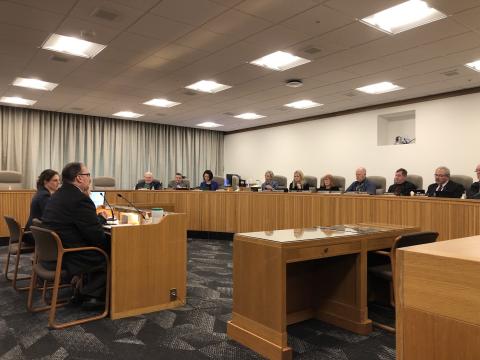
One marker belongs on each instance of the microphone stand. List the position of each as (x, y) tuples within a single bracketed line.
[(109, 206), (131, 204)]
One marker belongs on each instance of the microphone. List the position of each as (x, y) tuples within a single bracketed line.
[(131, 204), (108, 204)]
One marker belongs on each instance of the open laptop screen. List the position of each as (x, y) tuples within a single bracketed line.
[(97, 198)]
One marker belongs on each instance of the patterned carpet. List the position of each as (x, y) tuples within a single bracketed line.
[(195, 331)]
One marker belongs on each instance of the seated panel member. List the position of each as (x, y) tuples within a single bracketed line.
[(443, 186), (474, 191), (327, 184), (148, 183), (208, 183), (400, 184), (178, 183), (72, 215), (47, 184), (269, 183), (298, 182), (362, 184)]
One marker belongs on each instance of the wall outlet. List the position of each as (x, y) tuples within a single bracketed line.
[(173, 294)]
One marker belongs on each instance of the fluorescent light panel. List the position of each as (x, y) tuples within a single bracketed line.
[(128, 114), (34, 84), (72, 46), (208, 86), (404, 16), (249, 116), (209, 124), (161, 103), (279, 61), (303, 104), (475, 65), (379, 88), (15, 100)]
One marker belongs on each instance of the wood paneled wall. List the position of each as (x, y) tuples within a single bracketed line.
[(248, 211)]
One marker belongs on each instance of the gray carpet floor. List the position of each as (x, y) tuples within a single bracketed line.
[(194, 331)]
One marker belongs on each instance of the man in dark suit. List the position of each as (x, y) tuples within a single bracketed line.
[(474, 191), (72, 215), (443, 186), (400, 184), (148, 183)]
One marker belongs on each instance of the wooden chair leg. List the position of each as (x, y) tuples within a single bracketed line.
[(7, 265)]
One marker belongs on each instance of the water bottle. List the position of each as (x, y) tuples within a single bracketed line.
[(157, 214)]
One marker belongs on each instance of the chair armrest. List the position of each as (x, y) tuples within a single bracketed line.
[(86, 248), (382, 252)]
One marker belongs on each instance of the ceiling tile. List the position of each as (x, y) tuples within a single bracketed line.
[(470, 18), (361, 9), (87, 30), (275, 10), (160, 28), (277, 38), (199, 11), (29, 17)]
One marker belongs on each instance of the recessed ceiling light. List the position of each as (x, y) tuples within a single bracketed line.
[(161, 103), (16, 100), (475, 65), (128, 114), (249, 116), (34, 84), (379, 88), (303, 104), (72, 46), (208, 86), (209, 124), (404, 16), (280, 61)]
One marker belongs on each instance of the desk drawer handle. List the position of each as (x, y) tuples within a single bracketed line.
[(325, 250)]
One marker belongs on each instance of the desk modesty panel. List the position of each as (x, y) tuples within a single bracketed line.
[(224, 211), (437, 289), (286, 276)]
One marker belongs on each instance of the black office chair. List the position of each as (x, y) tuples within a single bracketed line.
[(387, 271)]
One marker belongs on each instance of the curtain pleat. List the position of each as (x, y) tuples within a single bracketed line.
[(34, 140)]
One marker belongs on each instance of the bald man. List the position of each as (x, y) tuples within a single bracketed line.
[(474, 191), (148, 183), (362, 184)]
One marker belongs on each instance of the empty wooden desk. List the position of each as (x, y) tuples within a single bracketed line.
[(286, 276), (438, 300)]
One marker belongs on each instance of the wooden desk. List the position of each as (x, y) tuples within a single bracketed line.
[(246, 211), (438, 301), (147, 262), (286, 276)]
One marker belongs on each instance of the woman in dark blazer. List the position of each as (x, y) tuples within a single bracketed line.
[(47, 184), (298, 182), (208, 183), (327, 184)]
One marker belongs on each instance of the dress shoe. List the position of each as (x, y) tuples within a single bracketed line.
[(92, 304)]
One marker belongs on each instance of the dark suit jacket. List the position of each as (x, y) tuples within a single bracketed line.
[(451, 190), (304, 187), (39, 201), (402, 189), (474, 191), (154, 185), (71, 214)]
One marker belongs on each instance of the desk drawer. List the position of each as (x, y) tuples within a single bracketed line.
[(322, 251)]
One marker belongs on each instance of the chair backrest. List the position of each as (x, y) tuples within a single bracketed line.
[(312, 181), (14, 229), (380, 183), (281, 180), (220, 181), (10, 180), (465, 180), (47, 244), (103, 183), (416, 180), (36, 222)]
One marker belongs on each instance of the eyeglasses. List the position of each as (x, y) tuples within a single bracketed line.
[(86, 174), (440, 175)]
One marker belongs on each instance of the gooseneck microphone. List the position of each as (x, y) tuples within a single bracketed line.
[(131, 204), (109, 206)]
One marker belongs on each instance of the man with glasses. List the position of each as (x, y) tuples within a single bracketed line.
[(72, 215), (474, 191), (148, 183), (443, 186)]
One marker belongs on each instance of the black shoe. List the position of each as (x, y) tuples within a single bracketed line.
[(75, 301), (92, 304)]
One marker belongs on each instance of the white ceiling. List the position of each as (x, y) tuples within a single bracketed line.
[(157, 47)]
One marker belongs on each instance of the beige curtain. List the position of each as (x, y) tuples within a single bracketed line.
[(34, 140)]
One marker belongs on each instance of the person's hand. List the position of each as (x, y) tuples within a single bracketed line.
[(103, 213), (299, 186), (268, 187)]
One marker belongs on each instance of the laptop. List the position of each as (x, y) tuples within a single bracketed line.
[(97, 198)]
